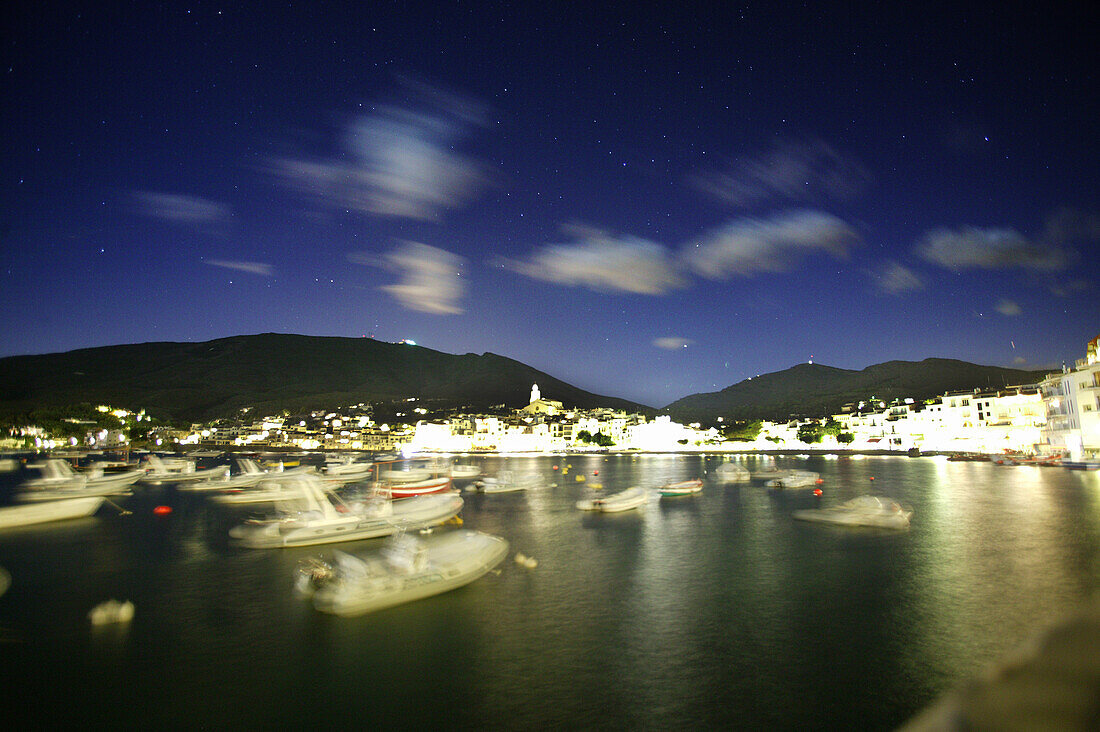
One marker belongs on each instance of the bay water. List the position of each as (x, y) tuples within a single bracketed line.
[(716, 610)]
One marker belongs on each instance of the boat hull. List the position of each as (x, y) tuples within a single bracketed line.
[(627, 500), (419, 488), (455, 559), (408, 515), (683, 488), (48, 511)]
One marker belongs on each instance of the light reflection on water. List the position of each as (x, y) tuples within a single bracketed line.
[(709, 610)]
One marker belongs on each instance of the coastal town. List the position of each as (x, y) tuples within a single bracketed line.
[(1060, 416)]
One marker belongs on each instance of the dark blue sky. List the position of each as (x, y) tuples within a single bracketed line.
[(646, 202)]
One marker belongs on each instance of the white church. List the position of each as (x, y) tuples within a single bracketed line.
[(539, 405)]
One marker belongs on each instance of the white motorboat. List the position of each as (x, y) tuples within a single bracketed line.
[(460, 471), (406, 569), (731, 473), (58, 480), (795, 479), (248, 475), (268, 489), (769, 473), (418, 488), (404, 477), (336, 473), (681, 488), (162, 470), (317, 516), (868, 510), (631, 498), (506, 482), (46, 511)]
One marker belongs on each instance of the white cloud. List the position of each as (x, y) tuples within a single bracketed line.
[(809, 170), (671, 343), (256, 268), (180, 208), (896, 279), (751, 245), (1019, 360), (430, 281), (971, 247), (1008, 308), (602, 262), (397, 162), (974, 248)]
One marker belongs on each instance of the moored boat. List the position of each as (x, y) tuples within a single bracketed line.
[(795, 479), (460, 471), (407, 569), (418, 488), (875, 511), (46, 511), (58, 480), (681, 488), (631, 498), (731, 473), (247, 476), (319, 517), (160, 470), (506, 482)]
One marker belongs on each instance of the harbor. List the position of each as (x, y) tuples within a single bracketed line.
[(718, 608)]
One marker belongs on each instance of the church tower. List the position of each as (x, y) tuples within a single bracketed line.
[(535, 393)]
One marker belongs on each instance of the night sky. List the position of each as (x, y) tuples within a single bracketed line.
[(646, 201)]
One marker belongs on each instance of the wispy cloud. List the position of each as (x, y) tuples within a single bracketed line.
[(971, 247), (806, 171), (397, 161), (602, 262), (974, 248), (897, 279), (256, 268), (751, 245), (430, 281), (180, 208), (671, 343), (1008, 308)]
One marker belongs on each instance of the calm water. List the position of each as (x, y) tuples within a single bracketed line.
[(715, 610)]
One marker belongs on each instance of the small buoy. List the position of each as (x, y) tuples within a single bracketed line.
[(162, 510), (819, 481), (525, 561), (595, 472), (872, 477), (580, 478), (555, 467), (817, 491), (595, 486)]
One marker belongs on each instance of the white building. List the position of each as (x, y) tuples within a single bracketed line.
[(1072, 400)]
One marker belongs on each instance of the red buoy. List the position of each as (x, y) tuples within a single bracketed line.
[(872, 477), (555, 467), (595, 472), (819, 481), (162, 510), (817, 491)]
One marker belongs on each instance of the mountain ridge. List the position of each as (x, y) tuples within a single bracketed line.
[(199, 381), (207, 379), (818, 390)]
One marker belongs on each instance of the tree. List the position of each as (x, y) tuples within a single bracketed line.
[(845, 438), (743, 431), (810, 432)]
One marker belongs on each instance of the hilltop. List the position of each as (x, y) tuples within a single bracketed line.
[(272, 372), (815, 390)]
